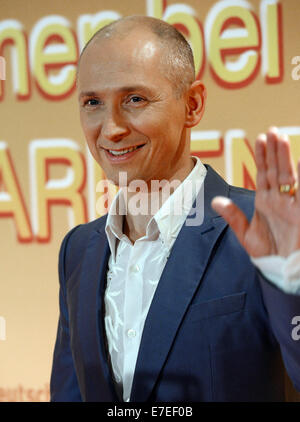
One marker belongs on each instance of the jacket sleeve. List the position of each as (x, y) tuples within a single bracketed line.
[(63, 384), (282, 309)]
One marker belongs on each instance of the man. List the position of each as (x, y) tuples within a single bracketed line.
[(153, 308)]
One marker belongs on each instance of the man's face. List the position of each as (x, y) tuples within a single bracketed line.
[(127, 103)]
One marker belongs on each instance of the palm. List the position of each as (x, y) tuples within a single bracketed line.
[(275, 226)]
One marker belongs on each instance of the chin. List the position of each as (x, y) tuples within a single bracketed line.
[(117, 179)]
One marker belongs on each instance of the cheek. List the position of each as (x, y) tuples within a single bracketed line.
[(151, 125), (90, 126), (167, 122), (163, 132), (90, 130)]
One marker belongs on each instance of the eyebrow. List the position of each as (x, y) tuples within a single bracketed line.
[(120, 90)]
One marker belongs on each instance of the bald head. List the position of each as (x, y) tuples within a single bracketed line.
[(176, 58)]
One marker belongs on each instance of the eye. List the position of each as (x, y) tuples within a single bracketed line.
[(92, 102), (136, 99)]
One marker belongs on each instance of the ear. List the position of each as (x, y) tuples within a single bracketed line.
[(195, 103)]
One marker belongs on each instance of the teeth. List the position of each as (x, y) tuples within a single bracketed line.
[(124, 151)]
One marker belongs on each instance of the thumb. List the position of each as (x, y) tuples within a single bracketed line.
[(233, 215)]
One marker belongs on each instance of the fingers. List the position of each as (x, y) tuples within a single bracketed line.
[(260, 159), (274, 161), (271, 158), (286, 166), (233, 215)]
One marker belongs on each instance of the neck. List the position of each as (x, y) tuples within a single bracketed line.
[(148, 203)]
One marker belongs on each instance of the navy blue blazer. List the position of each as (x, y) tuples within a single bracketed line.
[(216, 329)]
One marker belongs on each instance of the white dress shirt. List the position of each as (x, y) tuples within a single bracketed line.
[(283, 272), (134, 271)]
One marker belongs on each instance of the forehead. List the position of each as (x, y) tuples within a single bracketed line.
[(114, 61)]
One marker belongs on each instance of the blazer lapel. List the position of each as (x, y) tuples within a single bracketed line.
[(180, 279), (94, 370)]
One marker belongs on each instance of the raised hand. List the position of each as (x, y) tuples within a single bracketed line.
[(275, 226)]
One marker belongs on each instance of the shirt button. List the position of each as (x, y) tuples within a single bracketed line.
[(131, 333), (135, 268)]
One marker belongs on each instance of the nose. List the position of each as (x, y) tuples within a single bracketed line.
[(114, 126)]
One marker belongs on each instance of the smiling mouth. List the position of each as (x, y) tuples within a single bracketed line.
[(118, 152)]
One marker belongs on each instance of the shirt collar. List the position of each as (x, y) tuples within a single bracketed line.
[(172, 214), (114, 222), (168, 219)]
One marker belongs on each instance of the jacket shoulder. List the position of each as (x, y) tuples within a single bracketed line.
[(243, 198), (215, 185), (82, 232), (75, 242)]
